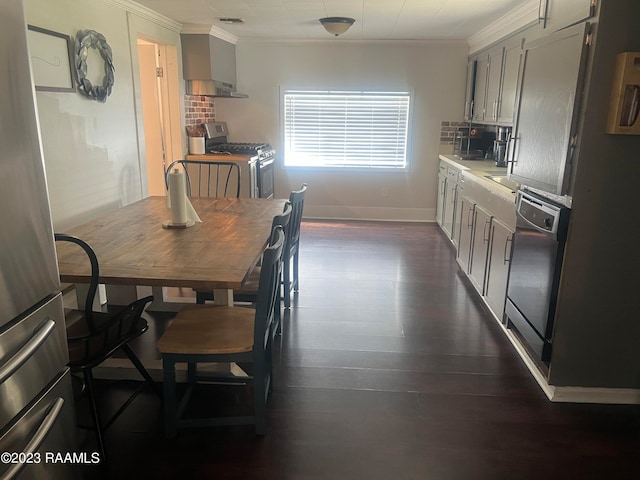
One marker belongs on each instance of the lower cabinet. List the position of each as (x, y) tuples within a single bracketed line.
[(465, 237), (495, 291), (480, 247), (449, 208), (442, 185)]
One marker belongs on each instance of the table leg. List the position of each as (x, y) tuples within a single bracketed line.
[(223, 297)]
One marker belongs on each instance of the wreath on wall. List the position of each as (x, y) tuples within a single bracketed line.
[(86, 39)]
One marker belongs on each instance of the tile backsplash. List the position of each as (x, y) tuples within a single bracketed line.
[(447, 134), (198, 109)]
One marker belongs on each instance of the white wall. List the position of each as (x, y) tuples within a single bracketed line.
[(91, 149), (435, 73)]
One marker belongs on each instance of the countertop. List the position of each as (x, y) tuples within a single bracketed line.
[(476, 170)]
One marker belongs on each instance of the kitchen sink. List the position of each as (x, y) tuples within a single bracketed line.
[(501, 179)]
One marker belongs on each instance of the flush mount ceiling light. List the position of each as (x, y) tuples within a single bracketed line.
[(230, 21), (336, 25)]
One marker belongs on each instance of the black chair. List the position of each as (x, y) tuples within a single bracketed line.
[(92, 337), (249, 291), (218, 333), (209, 178), (292, 254)]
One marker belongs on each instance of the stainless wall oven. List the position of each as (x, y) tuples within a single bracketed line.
[(536, 264)]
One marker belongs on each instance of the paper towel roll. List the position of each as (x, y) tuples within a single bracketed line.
[(178, 196)]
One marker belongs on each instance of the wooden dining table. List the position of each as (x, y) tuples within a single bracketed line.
[(134, 249)]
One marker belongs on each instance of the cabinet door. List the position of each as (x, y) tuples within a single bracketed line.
[(479, 248), (494, 75), (470, 89), (449, 207), (465, 237), (440, 205), (480, 92), (498, 267), (546, 119), (563, 13), (509, 84), (457, 214)]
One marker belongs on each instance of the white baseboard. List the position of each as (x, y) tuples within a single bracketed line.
[(339, 212), (562, 394)]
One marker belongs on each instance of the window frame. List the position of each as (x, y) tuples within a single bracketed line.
[(349, 168)]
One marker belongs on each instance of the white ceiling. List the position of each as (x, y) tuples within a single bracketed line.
[(375, 19)]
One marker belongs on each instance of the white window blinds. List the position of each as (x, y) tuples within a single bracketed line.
[(346, 129)]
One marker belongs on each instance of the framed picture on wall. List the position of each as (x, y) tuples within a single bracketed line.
[(51, 60)]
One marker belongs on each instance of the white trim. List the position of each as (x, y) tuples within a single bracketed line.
[(385, 214), (517, 19), (561, 394), (620, 396), (146, 13), (250, 41), (192, 28)]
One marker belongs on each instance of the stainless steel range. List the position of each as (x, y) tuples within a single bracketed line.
[(260, 159)]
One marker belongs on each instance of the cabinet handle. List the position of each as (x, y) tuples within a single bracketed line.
[(485, 237), (542, 10), (472, 107), (511, 150), (507, 249), (469, 219)]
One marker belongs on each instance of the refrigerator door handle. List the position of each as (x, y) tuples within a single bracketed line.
[(42, 432), (27, 351)]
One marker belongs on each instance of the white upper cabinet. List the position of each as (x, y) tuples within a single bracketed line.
[(480, 92), (509, 83), (470, 89), (559, 14), (491, 92), (494, 77)]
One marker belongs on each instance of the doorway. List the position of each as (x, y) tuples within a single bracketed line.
[(160, 110)]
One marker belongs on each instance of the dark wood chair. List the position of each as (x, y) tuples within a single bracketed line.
[(92, 337), (208, 178), (217, 333), (249, 291), (291, 255)]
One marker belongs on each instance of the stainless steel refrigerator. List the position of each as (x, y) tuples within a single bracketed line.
[(37, 416)]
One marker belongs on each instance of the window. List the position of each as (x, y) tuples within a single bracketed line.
[(346, 129)]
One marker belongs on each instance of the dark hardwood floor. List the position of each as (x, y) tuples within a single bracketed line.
[(389, 367)]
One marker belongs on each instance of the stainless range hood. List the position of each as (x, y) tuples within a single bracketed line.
[(209, 66)]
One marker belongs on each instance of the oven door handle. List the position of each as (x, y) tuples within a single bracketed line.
[(266, 163)]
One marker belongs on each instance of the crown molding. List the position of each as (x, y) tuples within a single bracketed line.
[(147, 14), (333, 42), (193, 28), (520, 17)]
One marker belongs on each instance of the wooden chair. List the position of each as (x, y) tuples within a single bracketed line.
[(92, 337), (209, 178), (217, 333), (292, 252)]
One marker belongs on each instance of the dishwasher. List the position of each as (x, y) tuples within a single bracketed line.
[(536, 264)]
